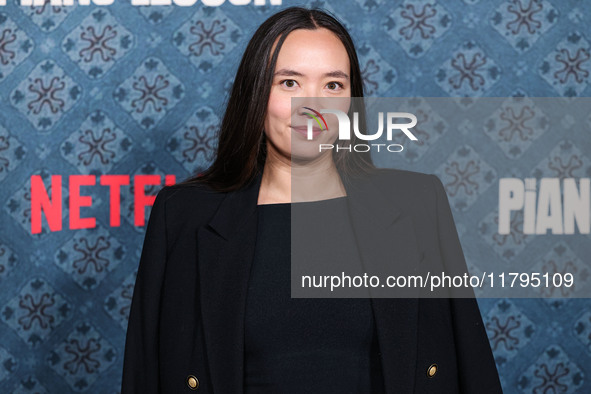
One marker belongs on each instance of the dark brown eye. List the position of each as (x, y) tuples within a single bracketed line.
[(289, 83), (334, 85)]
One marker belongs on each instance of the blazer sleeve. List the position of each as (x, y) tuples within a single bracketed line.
[(476, 366), (140, 363)]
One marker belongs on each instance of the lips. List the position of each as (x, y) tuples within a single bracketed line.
[(304, 130)]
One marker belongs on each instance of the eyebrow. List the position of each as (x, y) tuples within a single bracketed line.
[(334, 74)]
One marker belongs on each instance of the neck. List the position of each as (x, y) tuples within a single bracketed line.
[(284, 181)]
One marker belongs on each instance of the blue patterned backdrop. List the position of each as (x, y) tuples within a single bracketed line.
[(134, 90)]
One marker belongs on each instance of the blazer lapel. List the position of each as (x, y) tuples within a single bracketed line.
[(225, 252), (384, 231), (225, 249)]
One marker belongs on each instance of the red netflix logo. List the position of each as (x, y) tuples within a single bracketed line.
[(52, 207)]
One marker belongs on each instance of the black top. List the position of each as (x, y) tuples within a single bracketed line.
[(295, 345)]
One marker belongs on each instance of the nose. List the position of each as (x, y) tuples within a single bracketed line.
[(313, 90), (307, 109), (306, 105)]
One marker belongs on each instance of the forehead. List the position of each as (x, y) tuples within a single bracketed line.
[(314, 50)]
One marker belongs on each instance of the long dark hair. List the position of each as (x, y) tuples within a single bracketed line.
[(242, 148)]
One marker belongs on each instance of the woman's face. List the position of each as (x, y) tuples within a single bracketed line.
[(313, 64)]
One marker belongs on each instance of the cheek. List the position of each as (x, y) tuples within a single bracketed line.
[(279, 108)]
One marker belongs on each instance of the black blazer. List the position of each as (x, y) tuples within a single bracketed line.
[(188, 305)]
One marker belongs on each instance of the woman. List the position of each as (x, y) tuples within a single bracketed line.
[(211, 309)]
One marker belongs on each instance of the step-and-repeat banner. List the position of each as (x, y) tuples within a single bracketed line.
[(104, 102)]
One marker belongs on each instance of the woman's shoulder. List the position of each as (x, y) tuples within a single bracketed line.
[(404, 180), (191, 189), (414, 192), (189, 201)]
